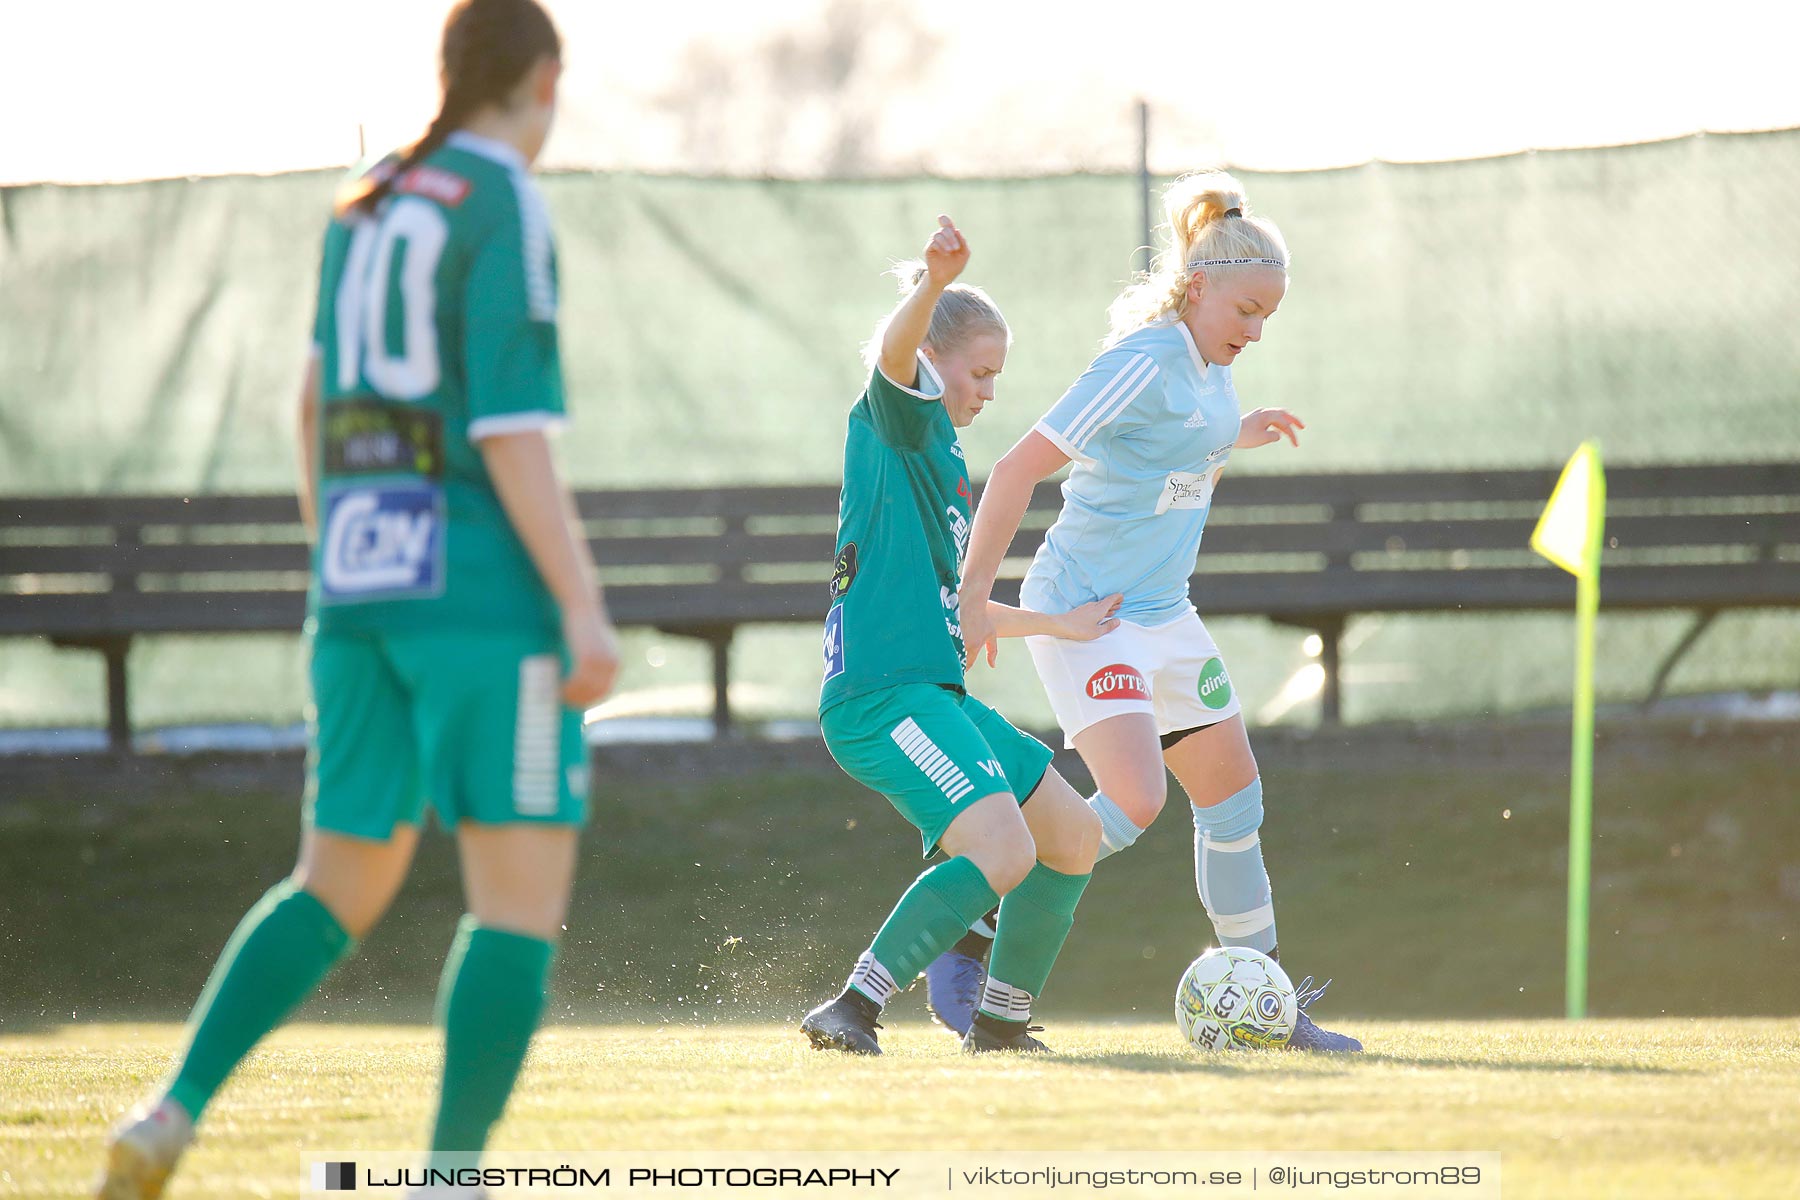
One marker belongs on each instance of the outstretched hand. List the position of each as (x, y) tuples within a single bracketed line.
[(1094, 619), (979, 633), (1265, 425), (946, 254)]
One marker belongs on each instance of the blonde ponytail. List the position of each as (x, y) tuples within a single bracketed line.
[(1211, 232), (962, 312)]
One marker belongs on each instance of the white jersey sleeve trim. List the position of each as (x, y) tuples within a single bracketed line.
[(1062, 443), (534, 230), (519, 422), (1114, 398), (927, 373)]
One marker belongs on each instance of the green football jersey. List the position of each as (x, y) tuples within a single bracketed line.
[(436, 327), (903, 528)]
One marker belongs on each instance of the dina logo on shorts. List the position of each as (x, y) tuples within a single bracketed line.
[(1117, 682), (1215, 685)]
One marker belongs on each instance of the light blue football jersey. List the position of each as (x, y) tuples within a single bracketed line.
[(1149, 426)]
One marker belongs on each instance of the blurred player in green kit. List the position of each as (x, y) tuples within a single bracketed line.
[(457, 628), (893, 707)]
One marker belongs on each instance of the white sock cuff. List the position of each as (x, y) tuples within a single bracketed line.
[(872, 979), (1006, 1002), (1243, 925)]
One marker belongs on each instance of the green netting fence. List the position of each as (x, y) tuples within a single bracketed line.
[(1490, 312)]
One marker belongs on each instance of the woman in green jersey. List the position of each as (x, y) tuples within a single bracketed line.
[(457, 628), (893, 706)]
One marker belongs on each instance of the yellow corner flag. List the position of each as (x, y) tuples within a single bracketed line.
[(1570, 534)]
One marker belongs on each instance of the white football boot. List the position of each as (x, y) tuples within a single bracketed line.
[(144, 1149)]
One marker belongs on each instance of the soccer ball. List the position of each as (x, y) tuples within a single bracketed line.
[(1235, 998)]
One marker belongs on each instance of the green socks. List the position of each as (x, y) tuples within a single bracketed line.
[(1035, 919), (492, 995), (935, 911), (280, 951), (493, 992)]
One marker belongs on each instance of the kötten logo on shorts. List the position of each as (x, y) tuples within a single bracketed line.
[(1117, 682)]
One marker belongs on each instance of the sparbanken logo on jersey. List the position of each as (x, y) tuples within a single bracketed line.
[(1117, 682)]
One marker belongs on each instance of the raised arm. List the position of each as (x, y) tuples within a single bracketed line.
[(946, 254), (1003, 504)]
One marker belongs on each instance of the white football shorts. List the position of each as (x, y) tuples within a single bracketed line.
[(1172, 671)]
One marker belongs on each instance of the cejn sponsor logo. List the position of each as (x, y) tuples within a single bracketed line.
[(1117, 682), (958, 525), (834, 643), (382, 540)]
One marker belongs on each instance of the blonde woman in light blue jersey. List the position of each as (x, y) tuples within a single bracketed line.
[(1149, 428)]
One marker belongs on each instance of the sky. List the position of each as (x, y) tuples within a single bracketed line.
[(97, 90)]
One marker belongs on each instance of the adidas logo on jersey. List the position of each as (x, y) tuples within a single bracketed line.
[(1197, 421)]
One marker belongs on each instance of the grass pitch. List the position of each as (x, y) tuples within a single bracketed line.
[(1689, 1108), (1425, 871)]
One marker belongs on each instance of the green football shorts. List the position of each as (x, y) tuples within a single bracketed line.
[(471, 722), (932, 752)]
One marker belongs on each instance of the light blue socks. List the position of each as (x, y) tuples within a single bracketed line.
[(1116, 829), (1229, 872)]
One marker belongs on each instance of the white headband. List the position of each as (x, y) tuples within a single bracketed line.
[(1236, 262)]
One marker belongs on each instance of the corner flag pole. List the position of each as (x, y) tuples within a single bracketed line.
[(1570, 534)]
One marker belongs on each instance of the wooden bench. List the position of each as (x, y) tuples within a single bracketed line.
[(1312, 551)]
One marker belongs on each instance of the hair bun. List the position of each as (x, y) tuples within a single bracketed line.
[(1209, 224), (1203, 198)]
